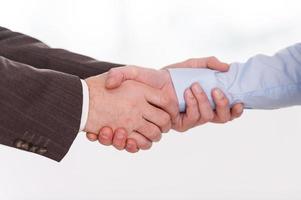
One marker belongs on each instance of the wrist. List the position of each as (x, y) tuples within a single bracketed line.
[(96, 92), (169, 86)]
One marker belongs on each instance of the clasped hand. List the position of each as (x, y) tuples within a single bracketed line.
[(130, 107)]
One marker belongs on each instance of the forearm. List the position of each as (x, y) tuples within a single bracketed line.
[(263, 82), (28, 50), (40, 109)]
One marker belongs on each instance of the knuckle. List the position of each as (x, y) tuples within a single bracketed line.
[(223, 103), (201, 97), (191, 102), (165, 118), (207, 118), (164, 100), (212, 58), (193, 117), (155, 135), (166, 121)]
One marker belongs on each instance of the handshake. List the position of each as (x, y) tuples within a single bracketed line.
[(130, 107)]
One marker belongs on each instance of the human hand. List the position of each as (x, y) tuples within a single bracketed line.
[(130, 107), (223, 113), (198, 108)]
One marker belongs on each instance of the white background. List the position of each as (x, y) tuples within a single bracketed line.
[(254, 157)]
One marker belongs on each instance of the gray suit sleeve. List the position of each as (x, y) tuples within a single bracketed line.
[(40, 109)]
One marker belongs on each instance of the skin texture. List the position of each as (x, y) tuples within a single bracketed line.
[(131, 107), (198, 110)]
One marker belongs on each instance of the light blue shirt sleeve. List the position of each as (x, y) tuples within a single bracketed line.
[(263, 82)]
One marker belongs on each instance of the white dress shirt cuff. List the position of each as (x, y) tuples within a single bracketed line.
[(85, 108)]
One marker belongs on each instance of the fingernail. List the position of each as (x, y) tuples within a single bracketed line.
[(218, 94), (120, 136), (104, 136), (197, 88), (129, 145), (91, 139), (240, 109)]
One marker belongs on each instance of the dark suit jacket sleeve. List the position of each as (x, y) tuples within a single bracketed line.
[(40, 109), (25, 49)]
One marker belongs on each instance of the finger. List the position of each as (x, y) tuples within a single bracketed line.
[(204, 106), (158, 117), (192, 114), (215, 64), (142, 142), (131, 146), (92, 137), (120, 136), (208, 62), (163, 101), (105, 136), (237, 111), (222, 106), (150, 131), (191, 63), (116, 76)]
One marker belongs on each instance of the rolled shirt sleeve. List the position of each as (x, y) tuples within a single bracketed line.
[(263, 82)]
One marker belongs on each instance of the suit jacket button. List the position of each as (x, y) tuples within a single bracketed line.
[(18, 143), (33, 149), (25, 146), (42, 150)]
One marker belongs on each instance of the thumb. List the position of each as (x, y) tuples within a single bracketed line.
[(215, 64), (116, 76), (206, 62)]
